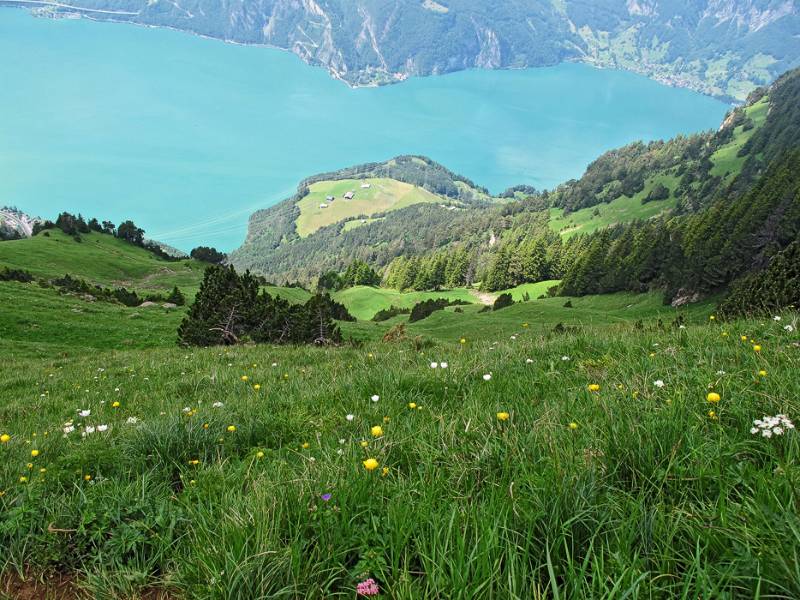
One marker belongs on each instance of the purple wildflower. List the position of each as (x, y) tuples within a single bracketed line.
[(368, 587), (326, 497)]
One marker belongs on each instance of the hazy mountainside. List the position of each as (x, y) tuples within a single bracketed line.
[(638, 181), (720, 47)]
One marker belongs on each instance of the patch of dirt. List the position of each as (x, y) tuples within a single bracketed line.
[(484, 297), (52, 587), (57, 586)]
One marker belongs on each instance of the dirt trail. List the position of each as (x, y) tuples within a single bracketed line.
[(483, 297)]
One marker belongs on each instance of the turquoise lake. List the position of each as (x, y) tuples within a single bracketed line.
[(188, 136)]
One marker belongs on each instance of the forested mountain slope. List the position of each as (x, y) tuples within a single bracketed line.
[(723, 48), (319, 228), (481, 241)]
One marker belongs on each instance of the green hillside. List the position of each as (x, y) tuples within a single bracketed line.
[(101, 259), (621, 210), (308, 234), (727, 161)]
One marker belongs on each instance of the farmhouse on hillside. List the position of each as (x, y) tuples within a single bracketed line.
[(365, 186), (349, 195)]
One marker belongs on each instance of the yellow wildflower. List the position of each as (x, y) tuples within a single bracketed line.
[(5, 438), (762, 373), (23, 479), (245, 378), (306, 446), (411, 405), (385, 471), (115, 404), (34, 453), (756, 348), (594, 387), (376, 431), (257, 387), (231, 428), (364, 444), (713, 397), (259, 454), (573, 425), (503, 416), (370, 464)]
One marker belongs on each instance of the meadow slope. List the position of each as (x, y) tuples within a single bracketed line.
[(237, 473)]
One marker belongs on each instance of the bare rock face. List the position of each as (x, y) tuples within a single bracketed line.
[(684, 297), (147, 304), (723, 48)]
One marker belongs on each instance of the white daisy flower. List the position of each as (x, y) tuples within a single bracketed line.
[(218, 404), (487, 377), (658, 383), (375, 397), (789, 328), (565, 358), (84, 413), (444, 365), (434, 365), (350, 417), (69, 429), (776, 318), (102, 428), (132, 420), (528, 361)]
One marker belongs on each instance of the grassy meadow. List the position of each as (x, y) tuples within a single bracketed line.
[(242, 472), (382, 196), (621, 210), (726, 161), (101, 259)]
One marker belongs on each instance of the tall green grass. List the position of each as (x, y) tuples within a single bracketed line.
[(649, 496)]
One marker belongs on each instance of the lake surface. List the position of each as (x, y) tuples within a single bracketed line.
[(188, 136)]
